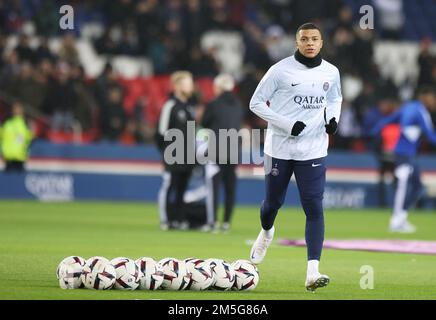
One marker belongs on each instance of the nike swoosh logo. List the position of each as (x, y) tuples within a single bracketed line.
[(295, 84), (316, 165)]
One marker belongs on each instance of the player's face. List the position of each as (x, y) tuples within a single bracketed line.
[(309, 42), (186, 86), (429, 101)]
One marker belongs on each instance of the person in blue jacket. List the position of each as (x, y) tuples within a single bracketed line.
[(415, 121)]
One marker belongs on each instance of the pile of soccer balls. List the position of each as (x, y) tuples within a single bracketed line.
[(146, 274)]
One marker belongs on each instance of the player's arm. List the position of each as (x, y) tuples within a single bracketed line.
[(427, 126), (166, 122), (334, 104), (206, 120), (263, 94), (393, 118)]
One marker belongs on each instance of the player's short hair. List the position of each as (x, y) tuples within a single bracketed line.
[(224, 82), (426, 90), (308, 26), (179, 75)]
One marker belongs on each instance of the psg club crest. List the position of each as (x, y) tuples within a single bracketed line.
[(326, 86), (275, 172)]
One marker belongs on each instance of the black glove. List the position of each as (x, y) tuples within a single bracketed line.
[(332, 127), (297, 128)]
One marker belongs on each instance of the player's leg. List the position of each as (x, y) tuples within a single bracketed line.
[(403, 173), (181, 180), (163, 199), (310, 177), (277, 175), (229, 178), (213, 181), (415, 191)]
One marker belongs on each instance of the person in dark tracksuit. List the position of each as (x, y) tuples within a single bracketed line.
[(224, 112), (175, 114)]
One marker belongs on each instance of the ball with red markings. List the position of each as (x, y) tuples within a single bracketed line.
[(201, 274), (223, 274), (152, 274), (69, 272), (128, 274), (98, 274), (176, 276), (247, 275)]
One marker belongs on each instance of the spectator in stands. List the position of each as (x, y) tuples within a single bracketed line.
[(43, 51), (255, 49), (47, 18), (85, 108), (225, 112), (119, 12), (194, 22), (175, 45), (278, 44), (68, 51), (15, 138), (217, 15), (348, 129), (61, 99), (26, 88), (365, 100), (10, 70), (363, 54), (108, 78), (147, 19), (343, 47), (24, 51), (2, 49), (112, 115), (203, 64), (427, 63)]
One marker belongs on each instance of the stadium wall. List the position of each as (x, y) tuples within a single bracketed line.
[(59, 172)]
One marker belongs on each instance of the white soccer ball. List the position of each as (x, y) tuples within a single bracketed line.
[(223, 274), (247, 275), (201, 274), (128, 274), (69, 271), (175, 274), (152, 274), (98, 274)]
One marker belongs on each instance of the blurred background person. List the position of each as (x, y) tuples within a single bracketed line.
[(175, 114), (15, 138), (414, 120), (224, 112)]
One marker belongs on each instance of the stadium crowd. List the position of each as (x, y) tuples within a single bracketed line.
[(56, 91)]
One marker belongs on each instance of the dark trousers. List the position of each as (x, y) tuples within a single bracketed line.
[(409, 186), (227, 177), (14, 166), (171, 194), (310, 177)]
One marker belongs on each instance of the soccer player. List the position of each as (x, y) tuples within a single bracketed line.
[(300, 98), (414, 120), (175, 114)]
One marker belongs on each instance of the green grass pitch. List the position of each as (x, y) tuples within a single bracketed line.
[(35, 237)]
